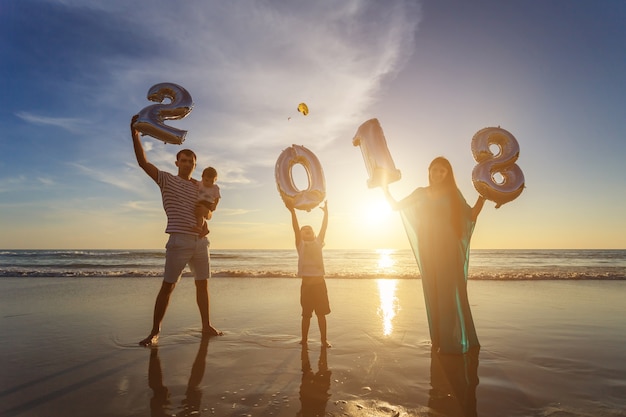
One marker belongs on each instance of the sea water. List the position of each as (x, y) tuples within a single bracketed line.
[(506, 265)]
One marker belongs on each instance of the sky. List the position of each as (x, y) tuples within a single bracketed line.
[(433, 72)]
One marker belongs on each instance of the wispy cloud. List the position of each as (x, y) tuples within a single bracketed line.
[(144, 206), (248, 64), (73, 125), (235, 212), (46, 181), (106, 177), (12, 183)]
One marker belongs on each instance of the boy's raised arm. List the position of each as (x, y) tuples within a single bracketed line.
[(295, 225), (322, 233)]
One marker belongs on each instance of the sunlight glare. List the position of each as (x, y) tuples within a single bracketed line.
[(376, 213), (385, 261), (388, 303)]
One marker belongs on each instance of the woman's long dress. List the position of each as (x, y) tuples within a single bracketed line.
[(442, 257)]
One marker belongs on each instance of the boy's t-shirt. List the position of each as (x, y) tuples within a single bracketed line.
[(209, 194), (310, 259)]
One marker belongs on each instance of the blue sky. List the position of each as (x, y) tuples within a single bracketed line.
[(552, 72)]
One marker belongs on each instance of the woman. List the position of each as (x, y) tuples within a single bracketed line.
[(439, 224)]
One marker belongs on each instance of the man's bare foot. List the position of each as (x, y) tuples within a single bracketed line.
[(304, 342), (151, 340), (212, 331), (326, 344)]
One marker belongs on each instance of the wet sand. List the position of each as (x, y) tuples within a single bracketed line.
[(69, 348)]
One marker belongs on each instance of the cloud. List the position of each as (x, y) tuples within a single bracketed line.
[(12, 183), (143, 206), (119, 181), (248, 64), (46, 181), (86, 68), (228, 212), (73, 125)]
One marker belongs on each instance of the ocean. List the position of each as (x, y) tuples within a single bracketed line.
[(504, 265)]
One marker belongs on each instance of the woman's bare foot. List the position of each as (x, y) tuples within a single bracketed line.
[(212, 331), (326, 344), (150, 340)]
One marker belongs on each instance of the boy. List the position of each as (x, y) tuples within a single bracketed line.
[(313, 292), (208, 196)]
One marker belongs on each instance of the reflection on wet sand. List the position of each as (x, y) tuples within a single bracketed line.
[(160, 402), (453, 380), (314, 388), (388, 303)]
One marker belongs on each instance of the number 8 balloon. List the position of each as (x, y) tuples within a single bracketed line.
[(490, 164), (150, 119)]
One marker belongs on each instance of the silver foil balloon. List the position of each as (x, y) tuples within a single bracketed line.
[(150, 119), (291, 195), (496, 176), (378, 161)]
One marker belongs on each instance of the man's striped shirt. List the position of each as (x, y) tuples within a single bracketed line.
[(179, 201)]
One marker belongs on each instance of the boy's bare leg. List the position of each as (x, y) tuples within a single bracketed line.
[(321, 321), (160, 307), (306, 323), (202, 298)]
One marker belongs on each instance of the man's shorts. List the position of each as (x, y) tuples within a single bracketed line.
[(314, 297), (182, 250)]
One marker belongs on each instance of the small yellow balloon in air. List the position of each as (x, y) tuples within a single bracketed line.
[(303, 108)]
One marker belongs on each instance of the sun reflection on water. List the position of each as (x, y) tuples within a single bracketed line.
[(385, 259), (387, 290), (388, 303)]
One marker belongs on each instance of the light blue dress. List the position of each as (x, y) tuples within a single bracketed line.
[(442, 257)]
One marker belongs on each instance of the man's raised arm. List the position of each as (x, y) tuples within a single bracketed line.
[(143, 162)]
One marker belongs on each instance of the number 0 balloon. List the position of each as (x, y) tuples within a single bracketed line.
[(150, 120), (496, 176), (291, 195)]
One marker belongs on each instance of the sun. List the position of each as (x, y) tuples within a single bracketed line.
[(376, 213), (368, 221)]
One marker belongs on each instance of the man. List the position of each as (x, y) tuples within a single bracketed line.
[(185, 245)]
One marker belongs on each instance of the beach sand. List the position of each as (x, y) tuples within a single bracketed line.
[(69, 348)]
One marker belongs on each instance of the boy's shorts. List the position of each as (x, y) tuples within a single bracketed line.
[(314, 297), (181, 250)]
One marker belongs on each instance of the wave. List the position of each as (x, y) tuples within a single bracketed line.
[(494, 265), (64, 253), (107, 273)]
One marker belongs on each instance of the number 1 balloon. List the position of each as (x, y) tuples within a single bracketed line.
[(150, 119), (378, 161), (485, 173)]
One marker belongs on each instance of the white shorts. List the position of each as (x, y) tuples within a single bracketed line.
[(181, 250)]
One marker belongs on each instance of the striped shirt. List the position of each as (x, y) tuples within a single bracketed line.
[(179, 201)]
